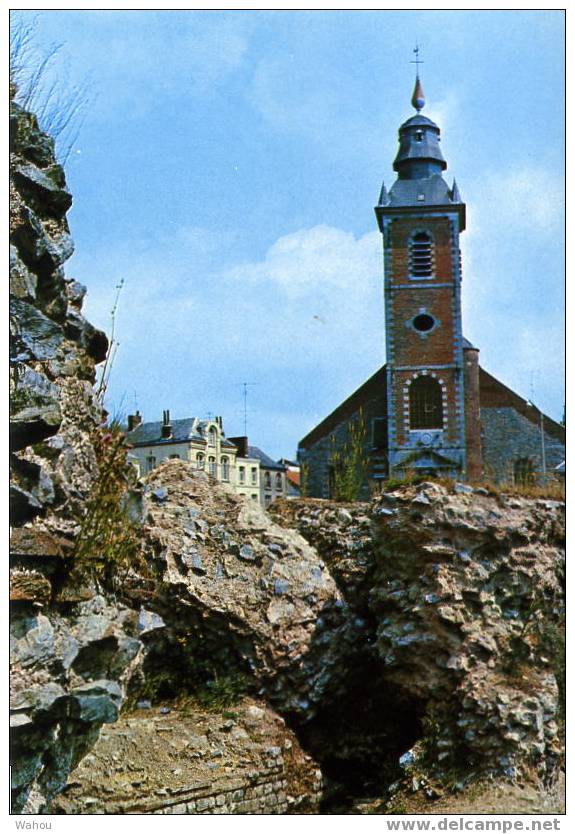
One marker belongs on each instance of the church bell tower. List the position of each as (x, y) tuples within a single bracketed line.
[(420, 219)]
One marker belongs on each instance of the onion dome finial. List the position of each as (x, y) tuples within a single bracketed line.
[(418, 97)]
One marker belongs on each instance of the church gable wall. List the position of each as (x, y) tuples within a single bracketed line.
[(507, 436), (317, 458)]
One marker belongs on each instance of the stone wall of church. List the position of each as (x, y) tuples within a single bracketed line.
[(318, 457), (507, 436)]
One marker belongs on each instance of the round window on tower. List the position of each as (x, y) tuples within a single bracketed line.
[(423, 323)]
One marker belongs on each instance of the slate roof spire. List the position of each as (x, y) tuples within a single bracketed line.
[(419, 156), (419, 165)]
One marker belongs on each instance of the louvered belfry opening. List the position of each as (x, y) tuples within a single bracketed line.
[(421, 255), (425, 404)]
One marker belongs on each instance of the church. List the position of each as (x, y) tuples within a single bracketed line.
[(432, 408)]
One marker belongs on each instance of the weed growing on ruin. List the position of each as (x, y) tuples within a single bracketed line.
[(113, 346), (180, 667), (109, 542), (542, 637), (408, 479), (349, 462), (221, 692), (40, 86), (214, 694), (304, 480), (552, 490)]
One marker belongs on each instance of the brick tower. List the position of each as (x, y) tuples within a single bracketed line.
[(420, 219)]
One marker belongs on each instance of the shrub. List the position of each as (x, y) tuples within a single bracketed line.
[(304, 480), (349, 462), (109, 542)]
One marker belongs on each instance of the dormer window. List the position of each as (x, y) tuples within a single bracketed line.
[(418, 135), (212, 436), (421, 255)]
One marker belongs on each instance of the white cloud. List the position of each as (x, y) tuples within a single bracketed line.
[(315, 262), (306, 322), (513, 284), (523, 198)]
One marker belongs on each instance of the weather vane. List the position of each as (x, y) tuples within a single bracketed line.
[(417, 61)]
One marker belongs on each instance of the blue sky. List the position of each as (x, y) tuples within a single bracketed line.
[(227, 170)]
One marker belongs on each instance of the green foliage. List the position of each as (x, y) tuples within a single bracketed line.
[(544, 630), (349, 462), (542, 636), (408, 479), (109, 543), (304, 480), (221, 692), (180, 667)]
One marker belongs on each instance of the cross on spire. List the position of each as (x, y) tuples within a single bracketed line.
[(418, 60), (418, 98)]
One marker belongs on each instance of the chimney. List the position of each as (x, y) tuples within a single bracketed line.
[(166, 426), (242, 444), (134, 420)]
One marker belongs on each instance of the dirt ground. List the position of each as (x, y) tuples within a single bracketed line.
[(485, 797), (153, 757)]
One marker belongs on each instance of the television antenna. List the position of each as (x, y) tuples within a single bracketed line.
[(245, 387)]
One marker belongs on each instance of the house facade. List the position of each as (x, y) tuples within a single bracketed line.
[(248, 470), (431, 408), (271, 482)]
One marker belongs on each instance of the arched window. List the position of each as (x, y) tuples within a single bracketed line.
[(200, 460), (268, 480), (523, 472), (212, 435), (225, 469), (425, 404), (421, 255), (278, 480), (212, 466)]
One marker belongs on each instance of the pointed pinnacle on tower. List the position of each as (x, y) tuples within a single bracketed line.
[(455, 195), (383, 196)]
